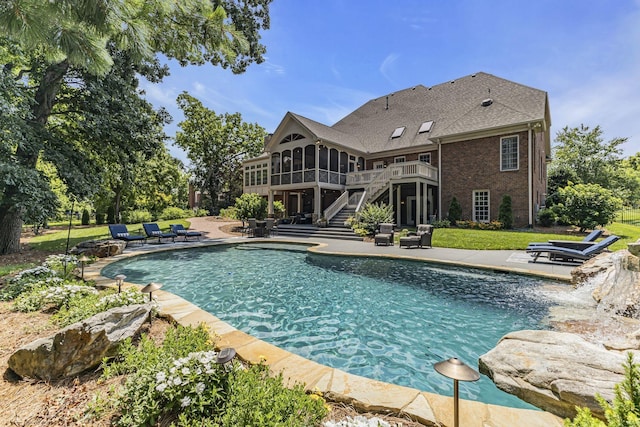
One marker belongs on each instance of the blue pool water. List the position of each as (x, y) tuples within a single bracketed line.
[(384, 319)]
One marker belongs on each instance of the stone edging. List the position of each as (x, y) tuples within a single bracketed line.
[(363, 393)]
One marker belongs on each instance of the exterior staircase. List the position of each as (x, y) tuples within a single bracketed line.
[(339, 219), (335, 229)]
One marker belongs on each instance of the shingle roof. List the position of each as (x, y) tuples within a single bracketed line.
[(455, 108)]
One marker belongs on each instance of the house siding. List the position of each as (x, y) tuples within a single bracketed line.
[(475, 165)]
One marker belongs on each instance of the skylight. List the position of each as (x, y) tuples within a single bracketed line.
[(398, 132), (425, 127)]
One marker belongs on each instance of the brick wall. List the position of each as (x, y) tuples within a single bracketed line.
[(475, 165)]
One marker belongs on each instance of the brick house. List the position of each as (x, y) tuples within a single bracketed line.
[(476, 138)]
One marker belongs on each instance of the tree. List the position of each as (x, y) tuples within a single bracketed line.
[(251, 205), (216, 145), (584, 152), (588, 205), (51, 43), (505, 214)]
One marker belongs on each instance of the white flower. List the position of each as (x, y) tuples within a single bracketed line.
[(185, 401), (177, 381), (161, 376), (161, 387), (186, 371), (199, 388)]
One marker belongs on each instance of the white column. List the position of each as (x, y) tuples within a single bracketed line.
[(399, 205), (299, 202), (270, 202), (418, 203), (317, 205)]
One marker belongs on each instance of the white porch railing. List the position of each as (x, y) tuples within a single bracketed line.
[(336, 206), (396, 170)]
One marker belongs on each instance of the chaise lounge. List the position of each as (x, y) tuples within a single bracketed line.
[(421, 238), (589, 240), (152, 230), (120, 232), (179, 230), (567, 254)]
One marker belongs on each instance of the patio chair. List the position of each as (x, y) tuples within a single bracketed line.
[(179, 230), (567, 254), (152, 230), (251, 228), (420, 238), (384, 236), (588, 240), (270, 227), (120, 232)]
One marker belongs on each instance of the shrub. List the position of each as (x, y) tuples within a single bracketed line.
[(371, 216), (136, 217), (100, 218), (251, 205), (505, 212), (84, 306), (546, 217), (229, 213), (443, 223), (57, 296), (173, 212), (85, 217), (455, 211), (200, 212), (588, 205), (111, 215), (278, 209)]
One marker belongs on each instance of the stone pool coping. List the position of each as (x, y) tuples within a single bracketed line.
[(363, 393)]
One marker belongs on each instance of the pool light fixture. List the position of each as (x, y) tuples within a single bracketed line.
[(225, 356), (82, 260), (119, 280), (457, 370), (149, 290)]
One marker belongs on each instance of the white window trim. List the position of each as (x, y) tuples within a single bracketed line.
[(400, 159), (517, 137), (379, 164), (425, 154), (473, 205)]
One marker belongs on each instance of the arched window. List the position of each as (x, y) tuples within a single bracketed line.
[(286, 161), (291, 137), (297, 159), (333, 160), (324, 157), (310, 157), (275, 163), (344, 162)]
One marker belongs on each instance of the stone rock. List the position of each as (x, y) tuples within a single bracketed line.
[(591, 268), (618, 288), (99, 248), (80, 346), (554, 371)]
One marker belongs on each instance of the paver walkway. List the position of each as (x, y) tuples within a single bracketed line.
[(363, 393)]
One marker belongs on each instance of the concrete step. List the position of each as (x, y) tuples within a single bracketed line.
[(338, 233)]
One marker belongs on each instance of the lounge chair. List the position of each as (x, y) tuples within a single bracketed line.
[(421, 238), (568, 254), (120, 232), (152, 230), (179, 230), (588, 240), (384, 236)]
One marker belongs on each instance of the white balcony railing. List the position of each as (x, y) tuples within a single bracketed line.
[(394, 171)]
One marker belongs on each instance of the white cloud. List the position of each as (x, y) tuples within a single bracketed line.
[(387, 66), (159, 94)]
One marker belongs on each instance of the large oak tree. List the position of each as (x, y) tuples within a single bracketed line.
[(58, 43)]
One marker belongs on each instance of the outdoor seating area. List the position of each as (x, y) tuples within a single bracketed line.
[(568, 254), (260, 228), (120, 232), (384, 235), (420, 238), (152, 230)]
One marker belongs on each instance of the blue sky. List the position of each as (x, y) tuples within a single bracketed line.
[(326, 58)]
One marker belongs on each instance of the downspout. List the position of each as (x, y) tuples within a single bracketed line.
[(530, 175), (439, 180)]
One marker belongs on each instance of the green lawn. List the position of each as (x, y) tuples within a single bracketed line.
[(56, 241)]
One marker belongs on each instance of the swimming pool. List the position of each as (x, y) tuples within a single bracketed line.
[(385, 319)]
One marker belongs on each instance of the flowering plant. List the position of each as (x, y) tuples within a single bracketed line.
[(358, 421), (43, 295), (127, 297)]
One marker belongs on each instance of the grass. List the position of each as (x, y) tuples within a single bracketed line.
[(14, 268), (56, 241)]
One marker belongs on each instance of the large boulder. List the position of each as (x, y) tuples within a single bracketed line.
[(99, 248), (80, 346), (554, 371)]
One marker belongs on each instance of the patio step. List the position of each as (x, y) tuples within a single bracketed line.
[(301, 230), (339, 219)]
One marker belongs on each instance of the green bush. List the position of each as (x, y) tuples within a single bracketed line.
[(111, 215), (229, 213), (546, 217), (624, 411), (371, 216), (455, 211), (505, 212), (86, 218), (251, 206), (443, 223), (57, 296), (173, 212), (278, 209), (588, 205), (82, 307), (100, 218), (136, 217), (200, 212)]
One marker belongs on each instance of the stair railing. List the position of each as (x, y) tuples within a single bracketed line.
[(336, 206), (380, 181)]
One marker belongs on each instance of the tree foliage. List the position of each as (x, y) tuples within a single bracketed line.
[(251, 205), (455, 211), (505, 214), (587, 205), (216, 145)]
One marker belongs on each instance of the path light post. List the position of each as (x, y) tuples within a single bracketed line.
[(83, 259), (225, 356), (120, 280), (149, 290), (457, 370)]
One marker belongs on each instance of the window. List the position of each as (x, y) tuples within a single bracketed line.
[(378, 165), (509, 153), (425, 157), (425, 127), (481, 205), (397, 133), (292, 137), (399, 159)]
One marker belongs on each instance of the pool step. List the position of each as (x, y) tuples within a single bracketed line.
[(338, 233)]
